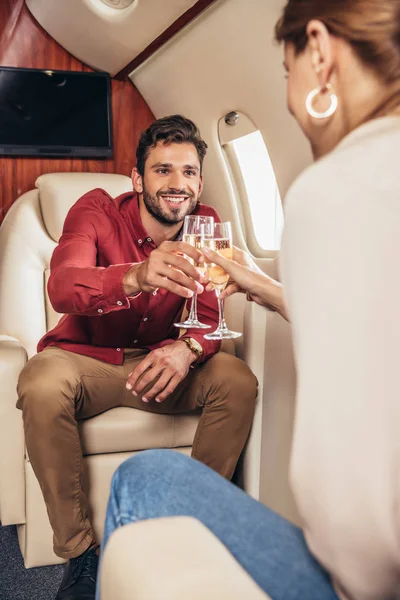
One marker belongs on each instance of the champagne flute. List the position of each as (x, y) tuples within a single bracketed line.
[(220, 241), (193, 227)]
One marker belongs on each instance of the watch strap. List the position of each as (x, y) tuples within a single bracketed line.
[(192, 347)]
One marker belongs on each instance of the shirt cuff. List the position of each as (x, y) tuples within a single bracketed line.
[(113, 288), (210, 347)]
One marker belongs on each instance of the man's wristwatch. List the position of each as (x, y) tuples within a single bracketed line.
[(194, 346)]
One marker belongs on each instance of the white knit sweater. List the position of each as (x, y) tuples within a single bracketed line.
[(341, 269)]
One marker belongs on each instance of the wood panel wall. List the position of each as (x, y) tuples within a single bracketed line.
[(23, 43)]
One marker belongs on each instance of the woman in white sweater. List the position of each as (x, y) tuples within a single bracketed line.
[(339, 263)]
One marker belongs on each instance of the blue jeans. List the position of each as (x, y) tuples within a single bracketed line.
[(159, 483)]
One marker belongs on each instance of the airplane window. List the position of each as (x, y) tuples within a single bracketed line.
[(260, 188)]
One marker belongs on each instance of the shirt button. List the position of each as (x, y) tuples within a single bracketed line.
[(140, 241), (154, 294), (146, 319), (100, 310), (149, 239), (119, 303), (118, 349), (135, 341)]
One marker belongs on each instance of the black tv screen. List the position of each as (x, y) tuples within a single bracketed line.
[(55, 113)]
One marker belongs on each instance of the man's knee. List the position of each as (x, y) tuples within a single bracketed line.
[(232, 380), (45, 385), (243, 379)]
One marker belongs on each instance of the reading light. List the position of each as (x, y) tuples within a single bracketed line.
[(232, 118), (118, 3)]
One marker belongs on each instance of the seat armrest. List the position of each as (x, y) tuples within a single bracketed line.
[(13, 357), (175, 558)]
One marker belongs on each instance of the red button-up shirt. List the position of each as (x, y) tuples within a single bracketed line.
[(102, 238)]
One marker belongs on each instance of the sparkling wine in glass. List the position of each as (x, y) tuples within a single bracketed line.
[(220, 241), (194, 227)]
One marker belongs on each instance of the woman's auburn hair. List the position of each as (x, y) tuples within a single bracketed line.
[(371, 27)]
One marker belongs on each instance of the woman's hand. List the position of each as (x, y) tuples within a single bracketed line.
[(248, 278), (241, 258)]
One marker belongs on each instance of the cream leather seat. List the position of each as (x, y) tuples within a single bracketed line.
[(28, 237), (192, 564)]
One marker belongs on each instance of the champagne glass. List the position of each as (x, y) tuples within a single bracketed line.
[(193, 227), (220, 241)]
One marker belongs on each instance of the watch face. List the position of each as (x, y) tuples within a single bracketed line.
[(196, 345)]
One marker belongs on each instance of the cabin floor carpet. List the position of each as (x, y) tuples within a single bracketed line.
[(18, 583)]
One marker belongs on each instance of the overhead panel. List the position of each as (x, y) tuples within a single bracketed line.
[(106, 34)]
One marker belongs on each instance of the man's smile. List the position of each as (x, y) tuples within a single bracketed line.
[(175, 199)]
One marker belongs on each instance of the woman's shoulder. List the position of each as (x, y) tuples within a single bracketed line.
[(319, 180), (361, 170)]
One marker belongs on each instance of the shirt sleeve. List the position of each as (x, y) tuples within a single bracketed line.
[(76, 285)]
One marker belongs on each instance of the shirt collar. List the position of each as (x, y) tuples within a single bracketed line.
[(129, 204)]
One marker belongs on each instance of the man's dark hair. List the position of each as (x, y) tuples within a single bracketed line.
[(175, 129)]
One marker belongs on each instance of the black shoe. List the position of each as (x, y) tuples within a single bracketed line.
[(79, 581)]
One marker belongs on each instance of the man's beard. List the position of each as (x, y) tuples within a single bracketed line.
[(174, 215)]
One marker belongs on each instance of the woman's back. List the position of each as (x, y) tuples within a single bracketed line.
[(340, 262)]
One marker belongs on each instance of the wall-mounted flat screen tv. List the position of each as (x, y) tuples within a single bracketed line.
[(55, 113)]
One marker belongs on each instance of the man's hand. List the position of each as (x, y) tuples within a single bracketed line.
[(165, 367), (166, 268)]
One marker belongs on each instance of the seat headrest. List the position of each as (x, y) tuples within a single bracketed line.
[(59, 191)]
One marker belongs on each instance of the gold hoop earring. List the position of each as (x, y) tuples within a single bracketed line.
[(332, 108)]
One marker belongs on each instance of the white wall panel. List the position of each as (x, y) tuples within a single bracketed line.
[(104, 37)]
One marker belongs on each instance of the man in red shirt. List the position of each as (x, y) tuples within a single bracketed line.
[(121, 280)]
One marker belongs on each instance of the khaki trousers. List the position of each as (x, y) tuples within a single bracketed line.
[(56, 388)]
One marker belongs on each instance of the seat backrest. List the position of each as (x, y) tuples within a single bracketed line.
[(28, 236)]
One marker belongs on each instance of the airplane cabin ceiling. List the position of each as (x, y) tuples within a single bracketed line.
[(102, 33)]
